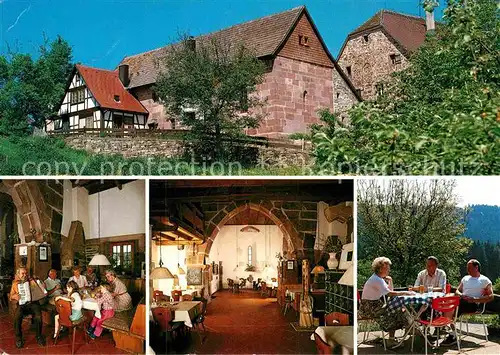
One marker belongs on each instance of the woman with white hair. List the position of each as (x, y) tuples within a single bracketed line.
[(119, 292), (376, 289)]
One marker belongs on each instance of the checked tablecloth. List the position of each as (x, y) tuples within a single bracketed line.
[(397, 303)]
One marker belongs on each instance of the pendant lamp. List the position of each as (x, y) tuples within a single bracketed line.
[(99, 259), (160, 272)]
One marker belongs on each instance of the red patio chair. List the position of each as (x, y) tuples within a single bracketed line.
[(336, 318), (442, 305)]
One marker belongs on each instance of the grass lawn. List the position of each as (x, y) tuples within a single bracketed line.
[(51, 156)]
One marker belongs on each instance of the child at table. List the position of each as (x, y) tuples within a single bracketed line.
[(76, 305), (107, 305)]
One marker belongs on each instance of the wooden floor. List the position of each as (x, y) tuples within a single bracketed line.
[(247, 323), (101, 345)]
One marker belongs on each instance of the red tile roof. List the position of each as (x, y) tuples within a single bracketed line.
[(105, 85), (263, 35), (406, 30)]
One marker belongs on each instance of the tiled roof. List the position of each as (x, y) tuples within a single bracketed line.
[(104, 85), (407, 30), (264, 36)]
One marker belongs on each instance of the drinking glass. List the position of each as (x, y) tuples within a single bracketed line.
[(430, 289)]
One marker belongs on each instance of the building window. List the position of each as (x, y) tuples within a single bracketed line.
[(172, 123), (117, 98), (268, 64), (365, 37), (77, 96), (379, 88), (123, 256), (304, 40), (395, 59), (348, 69), (89, 122), (249, 255)]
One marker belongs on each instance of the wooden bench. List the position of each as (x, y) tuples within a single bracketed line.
[(129, 329)]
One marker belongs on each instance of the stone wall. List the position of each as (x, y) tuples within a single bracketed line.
[(343, 97), (294, 91), (370, 61), (157, 147)]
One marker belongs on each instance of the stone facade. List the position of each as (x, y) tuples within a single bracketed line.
[(156, 147), (370, 61)]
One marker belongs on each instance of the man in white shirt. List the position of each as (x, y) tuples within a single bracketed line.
[(432, 276), (474, 289)]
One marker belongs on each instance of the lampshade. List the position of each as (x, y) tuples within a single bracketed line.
[(160, 273), (99, 259), (348, 277), (180, 271), (318, 269)]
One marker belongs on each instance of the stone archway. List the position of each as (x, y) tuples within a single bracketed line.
[(38, 207), (292, 241)]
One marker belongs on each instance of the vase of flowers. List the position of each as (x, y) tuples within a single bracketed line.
[(333, 246)]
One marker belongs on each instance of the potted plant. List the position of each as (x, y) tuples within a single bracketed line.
[(250, 268), (333, 246)]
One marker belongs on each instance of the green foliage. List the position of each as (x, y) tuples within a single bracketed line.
[(298, 135), (217, 82), (31, 89), (409, 220), (439, 116), (483, 223), (364, 271)]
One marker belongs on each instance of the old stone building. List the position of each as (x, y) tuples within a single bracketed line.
[(303, 75), (378, 48)]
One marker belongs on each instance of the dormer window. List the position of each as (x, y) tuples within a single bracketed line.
[(303, 40), (395, 59), (117, 98)]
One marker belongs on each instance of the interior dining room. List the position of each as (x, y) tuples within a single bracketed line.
[(62, 242), (251, 266)]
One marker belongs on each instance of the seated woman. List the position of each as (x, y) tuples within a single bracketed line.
[(80, 280), (76, 304), (107, 305), (119, 291), (378, 286)]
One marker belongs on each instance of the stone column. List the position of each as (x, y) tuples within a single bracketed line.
[(306, 319)]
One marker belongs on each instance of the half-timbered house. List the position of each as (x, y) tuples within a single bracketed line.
[(95, 99)]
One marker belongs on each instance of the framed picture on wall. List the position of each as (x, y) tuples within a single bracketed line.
[(290, 264), (42, 253), (23, 250), (194, 276)]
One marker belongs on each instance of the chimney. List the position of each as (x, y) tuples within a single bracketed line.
[(429, 21), (123, 74), (191, 43)]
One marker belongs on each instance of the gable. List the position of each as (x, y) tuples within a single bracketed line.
[(87, 101), (313, 52)]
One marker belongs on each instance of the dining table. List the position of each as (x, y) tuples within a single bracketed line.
[(184, 311), (415, 305), (92, 305)]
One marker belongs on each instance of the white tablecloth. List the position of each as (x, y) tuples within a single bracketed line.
[(91, 304), (333, 335), (185, 311)]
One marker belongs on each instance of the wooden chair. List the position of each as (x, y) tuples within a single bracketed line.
[(64, 310), (187, 297), (321, 346), (164, 318), (336, 318), (176, 295), (288, 304), (157, 294), (200, 319), (230, 284), (263, 289)]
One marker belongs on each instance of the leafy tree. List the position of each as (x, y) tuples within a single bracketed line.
[(31, 89), (439, 116), (218, 81), (409, 220)]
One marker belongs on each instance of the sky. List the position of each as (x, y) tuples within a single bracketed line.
[(102, 32), (471, 190)]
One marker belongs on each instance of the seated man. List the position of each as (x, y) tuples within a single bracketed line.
[(20, 295), (432, 276), (474, 289), (53, 285)]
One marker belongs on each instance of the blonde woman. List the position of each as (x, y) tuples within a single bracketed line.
[(376, 289)]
